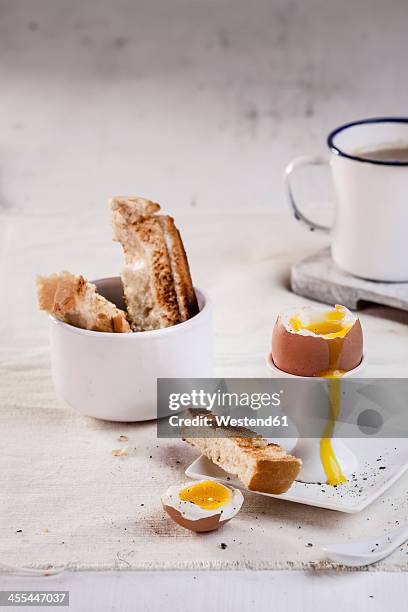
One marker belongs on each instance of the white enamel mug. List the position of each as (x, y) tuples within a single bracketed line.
[(113, 376), (370, 231)]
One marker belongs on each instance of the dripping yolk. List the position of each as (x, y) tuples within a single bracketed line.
[(330, 326), (207, 494)]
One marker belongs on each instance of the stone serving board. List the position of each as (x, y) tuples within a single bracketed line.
[(317, 277)]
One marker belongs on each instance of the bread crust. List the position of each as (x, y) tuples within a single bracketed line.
[(156, 276), (186, 298), (74, 300), (260, 465)]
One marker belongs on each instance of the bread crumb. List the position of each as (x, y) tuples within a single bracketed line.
[(123, 439), (120, 452)]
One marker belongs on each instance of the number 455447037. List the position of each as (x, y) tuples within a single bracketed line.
[(34, 598)]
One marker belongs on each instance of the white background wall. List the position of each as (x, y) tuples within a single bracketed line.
[(190, 102)]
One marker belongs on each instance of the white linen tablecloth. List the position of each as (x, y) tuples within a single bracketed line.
[(65, 499)]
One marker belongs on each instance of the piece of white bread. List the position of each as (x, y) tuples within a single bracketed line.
[(74, 300), (261, 466), (156, 275)]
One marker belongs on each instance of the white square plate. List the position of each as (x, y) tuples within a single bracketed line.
[(385, 460)]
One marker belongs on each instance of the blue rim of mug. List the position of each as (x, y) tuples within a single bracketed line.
[(335, 149)]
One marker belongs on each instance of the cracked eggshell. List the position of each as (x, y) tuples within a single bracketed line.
[(209, 523), (309, 355), (191, 516)]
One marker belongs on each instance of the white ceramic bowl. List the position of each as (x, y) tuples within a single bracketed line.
[(113, 376)]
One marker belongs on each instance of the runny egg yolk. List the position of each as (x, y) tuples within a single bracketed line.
[(208, 494), (330, 327)]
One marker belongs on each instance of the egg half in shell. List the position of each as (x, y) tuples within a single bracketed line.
[(203, 505), (317, 341)]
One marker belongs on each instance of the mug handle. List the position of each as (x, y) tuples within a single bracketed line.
[(297, 163)]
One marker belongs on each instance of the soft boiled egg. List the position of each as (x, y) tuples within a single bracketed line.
[(204, 505), (324, 342), (317, 341)]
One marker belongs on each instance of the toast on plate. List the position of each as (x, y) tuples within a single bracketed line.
[(261, 466)]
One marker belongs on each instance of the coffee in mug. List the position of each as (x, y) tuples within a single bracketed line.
[(392, 153), (369, 165)]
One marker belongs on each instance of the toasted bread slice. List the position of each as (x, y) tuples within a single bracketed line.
[(74, 300), (156, 276), (261, 466)]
